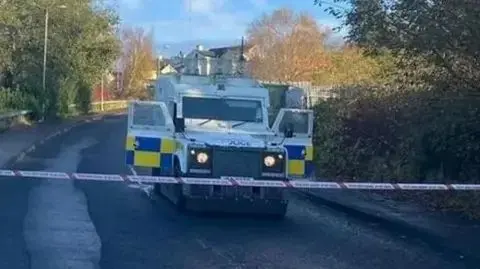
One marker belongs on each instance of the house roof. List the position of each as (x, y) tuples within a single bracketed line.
[(169, 66), (207, 53), (219, 52), (175, 64)]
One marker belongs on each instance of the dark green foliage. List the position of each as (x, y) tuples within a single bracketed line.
[(82, 44), (422, 124)]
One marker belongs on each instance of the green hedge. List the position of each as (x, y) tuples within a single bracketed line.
[(384, 136), (19, 100)]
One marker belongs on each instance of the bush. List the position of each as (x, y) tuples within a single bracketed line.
[(83, 98), (20, 99), (384, 135), (66, 97)]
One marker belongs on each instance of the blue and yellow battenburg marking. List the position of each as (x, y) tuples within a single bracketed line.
[(300, 160), (150, 152)]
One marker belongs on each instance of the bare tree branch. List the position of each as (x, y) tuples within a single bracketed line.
[(288, 46), (137, 62)]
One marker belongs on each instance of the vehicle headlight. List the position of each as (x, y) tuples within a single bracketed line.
[(269, 161), (202, 157)]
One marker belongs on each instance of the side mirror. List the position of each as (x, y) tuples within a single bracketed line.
[(289, 130), (178, 122), (179, 125)]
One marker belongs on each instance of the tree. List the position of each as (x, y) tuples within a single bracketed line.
[(444, 34), (422, 124), (137, 62), (286, 46), (349, 65), (82, 43)]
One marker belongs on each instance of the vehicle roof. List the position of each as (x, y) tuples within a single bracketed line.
[(203, 85)]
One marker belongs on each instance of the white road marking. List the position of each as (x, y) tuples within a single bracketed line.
[(147, 189), (201, 243), (21, 157), (58, 230), (133, 170)]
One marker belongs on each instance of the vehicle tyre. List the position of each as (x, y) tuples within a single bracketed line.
[(173, 192), (178, 188), (157, 187)]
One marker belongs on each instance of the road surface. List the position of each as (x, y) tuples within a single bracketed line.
[(108, 225)]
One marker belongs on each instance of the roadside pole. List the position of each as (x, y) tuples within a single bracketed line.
[(101, 93)]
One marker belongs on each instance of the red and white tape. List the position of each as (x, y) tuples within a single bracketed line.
[(232, 181)]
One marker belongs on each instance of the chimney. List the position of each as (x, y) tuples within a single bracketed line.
[(241, 69), (200, 48), (242, 51)]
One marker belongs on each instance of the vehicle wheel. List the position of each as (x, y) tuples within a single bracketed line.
[(172, 192), (178, 188), (157, 187)]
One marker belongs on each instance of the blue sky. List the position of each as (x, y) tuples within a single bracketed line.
[(179, 25)]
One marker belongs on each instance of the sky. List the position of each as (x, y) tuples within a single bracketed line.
[(182, 24)]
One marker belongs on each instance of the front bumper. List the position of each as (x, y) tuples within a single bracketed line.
[(234, 192)]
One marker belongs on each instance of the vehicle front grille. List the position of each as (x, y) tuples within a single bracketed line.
[(239, 162)]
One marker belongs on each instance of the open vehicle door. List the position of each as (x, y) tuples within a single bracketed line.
[(150, 142), (295, 126)]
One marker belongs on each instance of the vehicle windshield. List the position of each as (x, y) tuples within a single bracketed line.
[(148, 115), (222, 109)]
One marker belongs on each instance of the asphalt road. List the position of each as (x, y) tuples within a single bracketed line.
[(64, 224)]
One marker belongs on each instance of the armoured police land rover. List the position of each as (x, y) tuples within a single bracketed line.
[(210, 127)]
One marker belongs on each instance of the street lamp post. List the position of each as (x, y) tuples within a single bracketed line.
[(44, 75), (101, 93)]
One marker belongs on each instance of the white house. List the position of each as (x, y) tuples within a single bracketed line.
[(225, 60)]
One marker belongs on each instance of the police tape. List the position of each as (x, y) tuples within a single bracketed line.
[(237, 181)]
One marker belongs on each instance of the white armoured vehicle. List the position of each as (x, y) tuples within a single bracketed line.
[(217, 127)]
